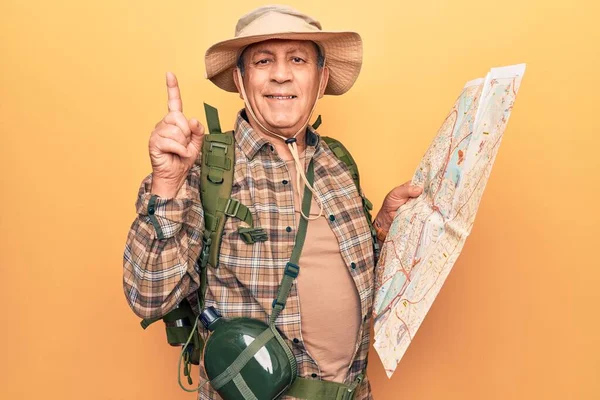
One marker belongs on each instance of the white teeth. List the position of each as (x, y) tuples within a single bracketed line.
[(281, 97)]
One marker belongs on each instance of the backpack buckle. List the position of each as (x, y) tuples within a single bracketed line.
[(236, 207), (276, 303), (253, 235), (218, 145), (352, 388), (292, 270), (205, 252)]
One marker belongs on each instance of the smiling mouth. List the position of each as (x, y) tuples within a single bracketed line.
[(280, 97)]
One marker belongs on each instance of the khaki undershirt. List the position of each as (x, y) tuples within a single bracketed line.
[(329, 301)]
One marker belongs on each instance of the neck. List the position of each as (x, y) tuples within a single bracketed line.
[(282, 148)]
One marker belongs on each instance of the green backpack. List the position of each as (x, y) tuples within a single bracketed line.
[(218, 158)]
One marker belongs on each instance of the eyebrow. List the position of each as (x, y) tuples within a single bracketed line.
[(263, 51), (269, 52)]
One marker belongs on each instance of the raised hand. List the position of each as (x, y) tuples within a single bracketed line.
[(174, 146)]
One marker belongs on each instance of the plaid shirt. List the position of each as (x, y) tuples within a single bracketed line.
[(160, 269)]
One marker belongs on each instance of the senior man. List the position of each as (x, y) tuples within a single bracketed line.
[(280, 62)]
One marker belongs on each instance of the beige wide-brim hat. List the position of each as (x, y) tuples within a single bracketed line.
[(342, 50)]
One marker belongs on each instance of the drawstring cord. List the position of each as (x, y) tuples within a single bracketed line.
[(291, 142)]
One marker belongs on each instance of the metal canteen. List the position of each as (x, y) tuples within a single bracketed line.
[(267, 373)]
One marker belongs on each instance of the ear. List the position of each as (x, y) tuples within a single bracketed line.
[(236, 78), (324, 81)]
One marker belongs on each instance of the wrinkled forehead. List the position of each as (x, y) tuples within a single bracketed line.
[(276, 46)]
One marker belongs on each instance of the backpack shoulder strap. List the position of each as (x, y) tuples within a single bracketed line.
[(344, 155), (218, 163), (218, 159), (340, 151)]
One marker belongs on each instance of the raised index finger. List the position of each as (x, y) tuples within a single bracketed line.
[(174, 96)]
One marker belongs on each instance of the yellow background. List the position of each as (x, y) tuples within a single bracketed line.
[(82, 85)]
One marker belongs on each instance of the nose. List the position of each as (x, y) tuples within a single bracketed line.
[(281, 72)]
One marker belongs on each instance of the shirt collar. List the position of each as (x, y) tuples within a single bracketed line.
[(251, 141)]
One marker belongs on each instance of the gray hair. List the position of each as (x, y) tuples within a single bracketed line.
[(320, 59)]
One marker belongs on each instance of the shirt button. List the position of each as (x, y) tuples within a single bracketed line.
[(353, 265), (151, 210), (284, 182), (288, 229), (332, 217), (296, 340), (314, 375)]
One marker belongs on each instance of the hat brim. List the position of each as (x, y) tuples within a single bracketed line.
[(343, 53)]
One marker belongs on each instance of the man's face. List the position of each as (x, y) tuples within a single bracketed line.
[(282, 83)]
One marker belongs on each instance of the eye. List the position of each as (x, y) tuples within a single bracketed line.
[(297, 60), (264, 61)]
